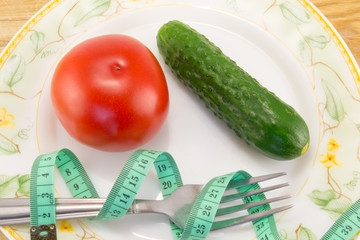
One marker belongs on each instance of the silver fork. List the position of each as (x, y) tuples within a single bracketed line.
[(17, 211)]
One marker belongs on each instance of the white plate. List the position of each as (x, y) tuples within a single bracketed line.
[(288, 47)]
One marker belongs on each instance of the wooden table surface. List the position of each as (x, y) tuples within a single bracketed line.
[(344, 15)]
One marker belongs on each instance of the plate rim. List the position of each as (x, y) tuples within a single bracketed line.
[(315, 12)]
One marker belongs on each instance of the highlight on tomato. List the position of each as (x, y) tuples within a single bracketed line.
[(110, 93)]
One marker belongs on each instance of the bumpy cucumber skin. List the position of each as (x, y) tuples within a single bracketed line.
[(255, 114)]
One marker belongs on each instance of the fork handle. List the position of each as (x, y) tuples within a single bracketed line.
[(13, 202), (65, 216), (21, 214)]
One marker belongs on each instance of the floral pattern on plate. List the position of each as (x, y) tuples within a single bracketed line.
[(334, 181)]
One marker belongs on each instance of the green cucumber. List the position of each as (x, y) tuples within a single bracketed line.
[(255, 114)]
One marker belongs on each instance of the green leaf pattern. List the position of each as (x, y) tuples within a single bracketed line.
[(6, 148), (334, 106), (306, 234), (24, 185), (10, 186), (322, 198), (294, 13), (301, 233), (14, 71), (93, 9), (37, 41), (329, 202), (317, 41), (336, 207)]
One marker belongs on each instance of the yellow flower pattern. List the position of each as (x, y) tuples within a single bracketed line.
[(6, 120), (65, 226), (332, 145), (329, 160)]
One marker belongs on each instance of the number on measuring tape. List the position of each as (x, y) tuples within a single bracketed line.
[(346, 226), (42, 196), (122, 194)]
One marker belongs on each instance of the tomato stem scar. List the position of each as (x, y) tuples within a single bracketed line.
[(117, 67)]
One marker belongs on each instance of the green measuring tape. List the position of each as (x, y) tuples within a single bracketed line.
[(346, 226), (42, 200), (122, 194)]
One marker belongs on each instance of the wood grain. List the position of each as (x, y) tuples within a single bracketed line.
[(14, 14), (344, 15)]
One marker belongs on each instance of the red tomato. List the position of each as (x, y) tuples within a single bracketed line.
[(110, 93)]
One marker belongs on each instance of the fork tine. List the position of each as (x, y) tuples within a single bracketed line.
[(252, 180), (252, 217), (236, 208), (235, 196)]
